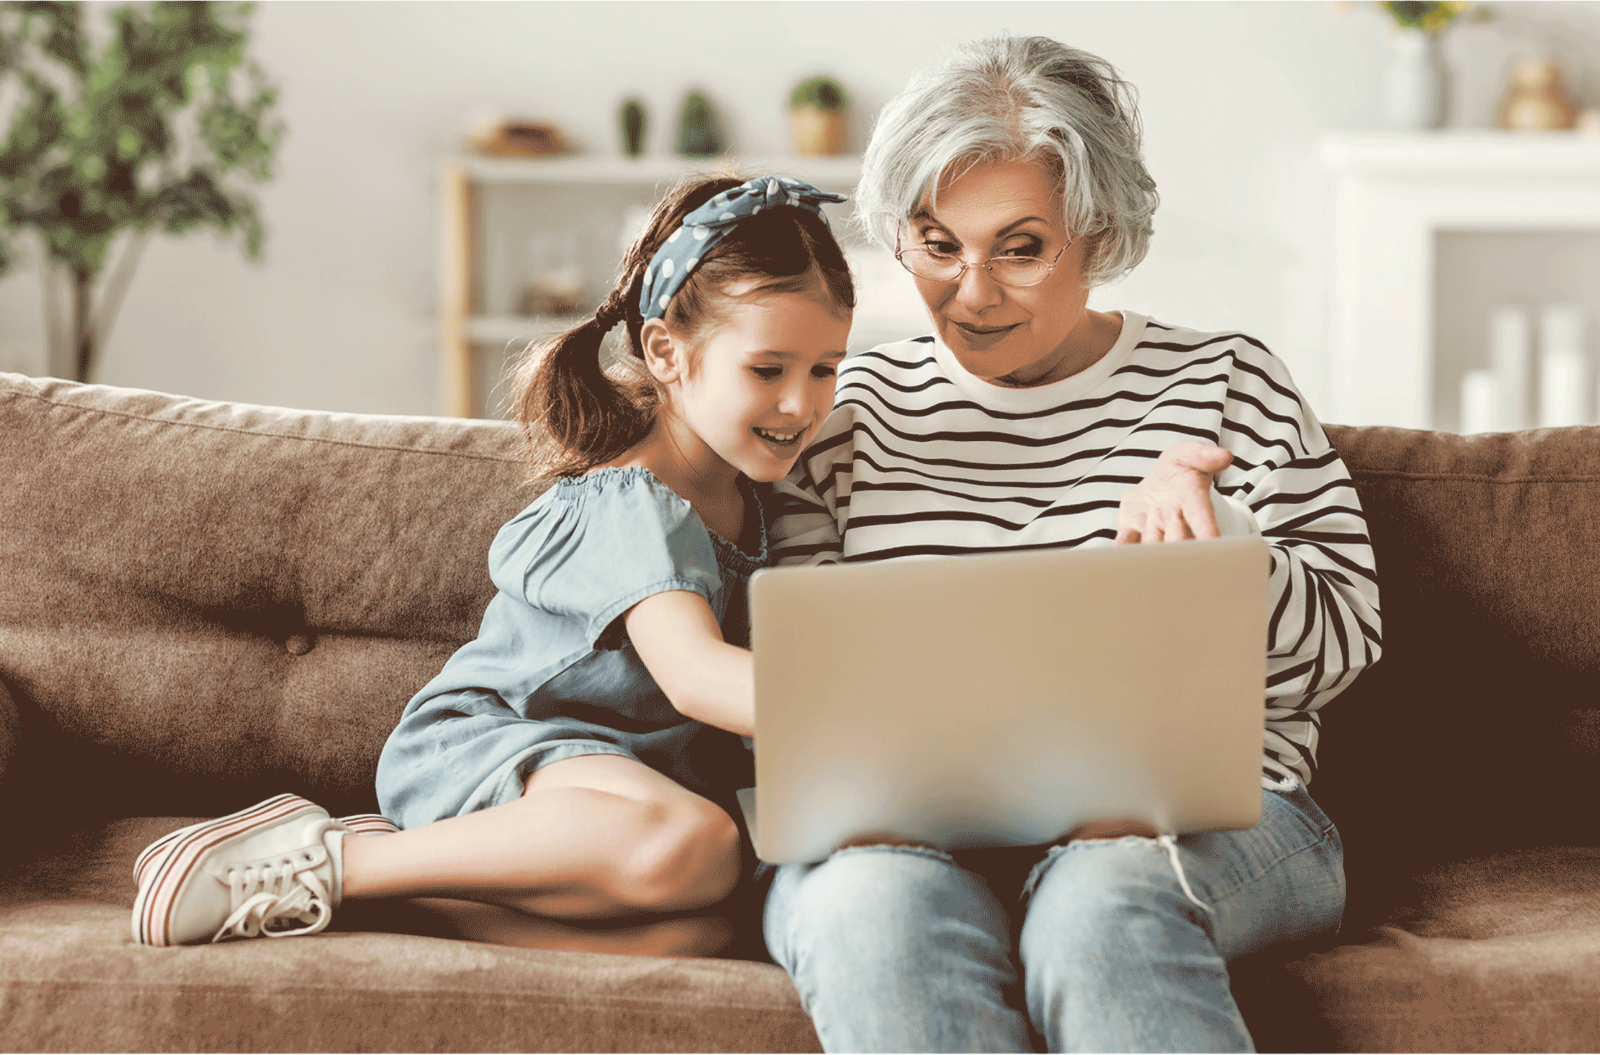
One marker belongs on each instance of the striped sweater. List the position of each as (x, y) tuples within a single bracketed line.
[(919, 457)]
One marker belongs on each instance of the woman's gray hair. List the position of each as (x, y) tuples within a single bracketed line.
[(1008, 98)]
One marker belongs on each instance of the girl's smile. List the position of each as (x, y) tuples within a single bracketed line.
[(749, 392), (780, 440)]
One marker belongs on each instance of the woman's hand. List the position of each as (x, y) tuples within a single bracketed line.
[(1174, 501)]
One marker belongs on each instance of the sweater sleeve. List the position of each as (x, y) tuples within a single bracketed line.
[(1234, 518), (814, 499), (1323, 624)]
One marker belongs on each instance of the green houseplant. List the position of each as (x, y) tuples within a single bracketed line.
[(1429, 15), (817, 109), (156, 126), (699, 131)]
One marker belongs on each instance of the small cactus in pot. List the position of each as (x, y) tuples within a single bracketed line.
[(699, 131), (817, 109), (633, 120)]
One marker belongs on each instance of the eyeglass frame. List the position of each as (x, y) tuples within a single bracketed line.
[(987, 265)]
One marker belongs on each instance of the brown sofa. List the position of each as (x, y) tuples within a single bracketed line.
[(202, 604)]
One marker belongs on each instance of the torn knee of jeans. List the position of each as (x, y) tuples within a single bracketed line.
[(885, 840), (1055, 850), (894, 843), (1287, 784)]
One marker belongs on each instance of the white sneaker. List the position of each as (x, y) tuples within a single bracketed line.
[(356, 824), (274, 870)]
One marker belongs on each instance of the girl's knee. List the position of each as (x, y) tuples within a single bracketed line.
[(686, 855)]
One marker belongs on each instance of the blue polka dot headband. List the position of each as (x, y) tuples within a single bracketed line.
[(676, 260)]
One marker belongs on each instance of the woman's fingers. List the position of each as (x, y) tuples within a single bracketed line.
[(1167, 513), (1189, 456), (1130, 522), (1199, 456), (1177, 528), (1173, 502), (1201, 516)]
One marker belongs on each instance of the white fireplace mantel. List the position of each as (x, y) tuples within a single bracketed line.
[(1392, 193)]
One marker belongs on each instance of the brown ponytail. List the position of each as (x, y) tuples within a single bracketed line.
[(573, 414)]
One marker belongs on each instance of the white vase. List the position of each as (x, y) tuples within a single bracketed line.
[(1417, 87)]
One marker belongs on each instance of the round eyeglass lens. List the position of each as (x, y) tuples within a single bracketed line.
[(1018, 270), (1007, 270)]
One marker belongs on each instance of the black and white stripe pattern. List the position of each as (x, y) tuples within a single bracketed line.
[(921, 458)]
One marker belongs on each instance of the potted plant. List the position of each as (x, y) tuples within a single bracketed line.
[(1429, 15), (113, 137), (699, 131), (817, 116)]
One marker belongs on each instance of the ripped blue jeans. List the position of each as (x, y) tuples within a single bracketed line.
[(896, 948)]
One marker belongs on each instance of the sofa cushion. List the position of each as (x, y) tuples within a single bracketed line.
[(1498, 953), (71, 978), (207, 603), (1501, 523), (1478, 732)]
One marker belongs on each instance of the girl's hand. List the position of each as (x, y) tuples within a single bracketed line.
[(1174, 501)]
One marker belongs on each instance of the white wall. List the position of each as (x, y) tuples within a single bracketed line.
[(341, 314)]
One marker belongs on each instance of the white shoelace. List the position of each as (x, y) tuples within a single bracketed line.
[(1171, 846), (276, 893)]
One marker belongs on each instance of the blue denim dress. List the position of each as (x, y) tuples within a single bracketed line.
[(552, 674)]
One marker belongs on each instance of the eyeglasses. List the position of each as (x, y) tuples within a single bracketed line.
[(1013, 271)]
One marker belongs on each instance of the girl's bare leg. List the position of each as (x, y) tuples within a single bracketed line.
[(476, 921), (591, 837)]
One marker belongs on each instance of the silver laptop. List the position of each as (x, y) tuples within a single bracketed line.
[(1004, 699)]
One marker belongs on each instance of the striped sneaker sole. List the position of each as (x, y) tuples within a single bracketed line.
[(360, 823), (369, 824), (168, 874)]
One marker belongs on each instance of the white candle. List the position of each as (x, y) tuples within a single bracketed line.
[(1563, 367), (1480, 401), (1510, 352)]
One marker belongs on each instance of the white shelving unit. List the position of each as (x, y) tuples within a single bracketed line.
[(469, 322), (1393, 194), (583, 169)]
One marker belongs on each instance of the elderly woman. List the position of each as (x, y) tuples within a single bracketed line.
[(1009, 182)]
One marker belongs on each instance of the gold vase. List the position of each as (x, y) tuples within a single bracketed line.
[(1536, 99)]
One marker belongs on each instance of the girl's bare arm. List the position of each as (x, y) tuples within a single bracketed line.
[(707, 679)]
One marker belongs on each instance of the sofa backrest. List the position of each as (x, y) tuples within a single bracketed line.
[(1479, 729), (204, 603)]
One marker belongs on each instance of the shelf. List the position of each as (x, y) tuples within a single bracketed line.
[(1465, 155), (1393, 197), (502, 329), (467, 333), (655, 169), (873, 327)]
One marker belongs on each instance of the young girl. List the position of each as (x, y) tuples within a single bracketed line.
[(579, 759)]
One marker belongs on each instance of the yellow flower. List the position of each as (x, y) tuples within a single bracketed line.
[(1429, 15)]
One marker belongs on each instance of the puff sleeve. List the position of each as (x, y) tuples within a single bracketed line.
[(589, 550)]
